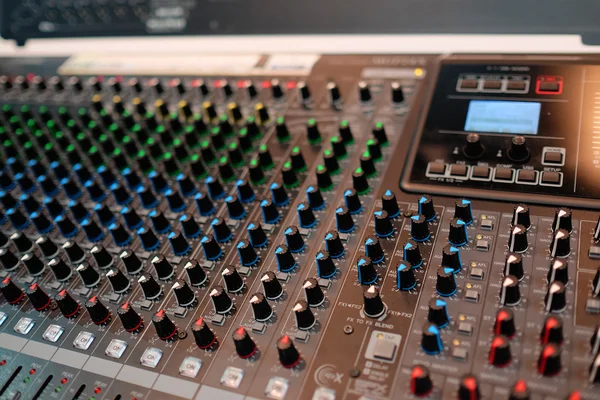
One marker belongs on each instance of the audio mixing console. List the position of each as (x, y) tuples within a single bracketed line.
[(337, 227)]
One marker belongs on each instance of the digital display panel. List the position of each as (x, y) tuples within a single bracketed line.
[(512, 117)]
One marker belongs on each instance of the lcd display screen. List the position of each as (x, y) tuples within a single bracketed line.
[(512, 117)]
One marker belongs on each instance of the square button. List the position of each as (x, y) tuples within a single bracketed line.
[(436, 168), (146, 305), (53, 333), (505, 175), (472, 295), (482, 245), (469, 84), (259, 327), (459, 171), (527, 176), (151, 357), (116, 348), (180, 312), (549, 87), (24, 326), (302, 336), (476, 273), (553, 157), (516, 86), (324, 394), (592, 306), (83, 341), (3, 317), (218, 319), (465, 328), (277, 388), (487, 224), (282, 276), (190, 367), (459, 353), (480, 173), (384, 349), (232, 377), (244, 271), (492, 84), (551, 178)]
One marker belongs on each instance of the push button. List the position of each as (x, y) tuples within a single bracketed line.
[(459, 171), (151, 357), (505, 175), (551, 178), (479, 173), (436, 169), (115, 348), (190, 367), (527, 176), (83, 341), (553, 158)]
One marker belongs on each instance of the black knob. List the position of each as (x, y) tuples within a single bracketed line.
[(148, 238), (3, 238), (102, 257), (335, 97), (405, 277), (305, 319), (183, 293), (325, 266), (9, 261), (468, 388), (518, 242), (203, 335), (556, 298), (463, 211), (294, 239), (359, 181), (312, 131), (269, 211), (285, 259), (352, 201), (118, 281), (333, 244), (261, 309), (211, 248), (457, 235), (514, 266), (306, 217), (98, 312), (520, 391), (271, 286), (205, 204), (220, 229), (131, 320), (162, 266), (390, 204), (175, 201), (47, 246), (34, 265), (521, 216), (561, 244), (179, 244), (244, 345), (257, 175), (313, 293), (367, 274), (289, 357), (563, 220), (419, 228), (165, 328), (549, 363), (344, 221), (412, 254), (22, 242), (500, 355), (552, 330), (74, 252), (597, 231), (104, 214), (451, 258), (67, 304), (383, 224), (221, 301), (426, 207), (438, 313), (133, 265), (92, 230), (245, 191), (324, 180), (160, 223), (505, 323), (431, 341), (232, 278), (89, 276), (373, 306), (41, 222), (473, 148), (132, 218), (518, 151), (17, 218), (304, 94), (279, 194), (558, 271), (446, 281), (246, 252), (258, 237), (11, 292), (421, 384), (373, 249), (196, 274), (315, 198), (510, 295), (215, 188), (151, 289), (364, 92), (288, 175)]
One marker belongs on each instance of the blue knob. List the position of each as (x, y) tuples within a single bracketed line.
[(175, 201), (60, 171), (159, 182), (215, 188), (190, 227), (17, 218), (107, 175), (37, 167), (367, 274), (325, 265), (41, 222), (148, 238), (159, 222), (6, 181), (186, 185), (179, 244), (131, 217), (204, 204), (245, 192), (95, 190), (48, 185), (83, 174), (93, 232), (7, 200), (121, 194), (53, 207), (147, 197), (132, 178), (279, 194), (104, 214), (431, 341), (25, 182), (78, 210), (30, 203), (405, 276), (66, 227), (285, 259), (119, 234), (211, 248)]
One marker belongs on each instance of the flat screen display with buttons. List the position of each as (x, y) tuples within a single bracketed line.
[(511, 117)]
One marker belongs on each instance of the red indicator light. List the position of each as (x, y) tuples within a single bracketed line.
[(265, 84), (64, 380), (290, 85), (97, 390), (3, 362), (32, 371)]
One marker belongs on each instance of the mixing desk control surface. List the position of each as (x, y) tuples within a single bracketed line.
[(265, 235)]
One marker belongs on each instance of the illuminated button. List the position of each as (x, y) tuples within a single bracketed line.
[(277, 388), (151, 357), (83, 341), (323, 393), (116, 348), (3, 317), (190, 367), (232, 377), (24, 326), (53, 333)]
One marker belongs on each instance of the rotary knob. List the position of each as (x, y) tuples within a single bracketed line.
[(520, 391), (312, 292), (561, 244), (438, 313), (446, 282), (271, 286), (315, 197), (162, 266), (595, 341), (285, 259), (505, 323), (244, 345), (563, 220), (333, 244), (133, 265), (549, 361), (179, 244), (412, 254), (261, 308), (118, 281), (305, 319), (595, 282), (343, 219), (131, 320), (419, 228), (47, 246), (62, 272), (232, 278), (421, 384), (463, 211), (74, 252), (383, 224), (221, 301), (510, 295), (374, 250), (373, 305), (183, 293), (500, 355), (33, 264), (235, 208), (405, 277), (22, 242), (514, 266), (98, 312), (258, 237), (552, 331), (294, 239), (468, 388), (204, 204), (89, 276), (9, 261), (67, 304), (431, 340), (325, 266), (451, 258), (203, 335), (558, 271), (594, 376), (190, 227), (521, 216), (457, 235), (473, 148), (352, 201), (306, 216), (556, 298), (151, 289), (367, 274), (39, 299), (211, 248), (11, 292), (518, 151), (289, 357), (246, 252), (390, 204), (165, 328), (221, 231), (195, 272), (518, 242), (269, 212)]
